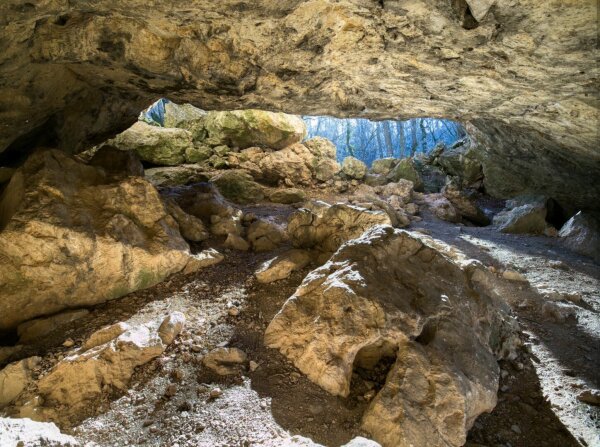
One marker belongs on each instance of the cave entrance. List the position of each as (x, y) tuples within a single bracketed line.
[(370, 369), (371, 140)]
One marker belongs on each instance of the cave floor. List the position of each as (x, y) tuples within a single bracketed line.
[(537, 403)]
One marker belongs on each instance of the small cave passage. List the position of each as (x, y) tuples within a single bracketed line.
[(371, 140), (371, 367)]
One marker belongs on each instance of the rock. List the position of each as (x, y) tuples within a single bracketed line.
[(225, 361), (176, 175), (283, 265), (190, 227), (68, 343), (462, 160), (183, 116), (198, 153), (418, 301), (287, 195), (215, 393), (292, 163), (364, 193), (326, 227), (246, 128), (558, 312), (157, 145), (25, 432), (321, 147), (33, 330), (591, 397), (354, 168), (324, 165), (441, 207), (324, 169), (406, 169), (581, 234), (529, 218), (117, 163), (383, 166), (7, 352), (78, 380), (236, 242), (14, 378), (204, 201), (464, 204), (104, 335), (101, 240), (201, 260), (264, 235), (238, 186), (513, 275), (6, 174), (433, 178), (403, 189)]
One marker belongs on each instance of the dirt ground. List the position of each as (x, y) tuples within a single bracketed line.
[(537, 404)]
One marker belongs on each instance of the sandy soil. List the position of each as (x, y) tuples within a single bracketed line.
[(537, 406)]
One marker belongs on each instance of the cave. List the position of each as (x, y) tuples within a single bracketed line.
[(320, 223)]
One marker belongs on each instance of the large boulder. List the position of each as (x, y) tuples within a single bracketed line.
[(523, 215), (69, 239), (462, 160), (420, 303), (464, 203), (238, 186), (383, 166), (441, 207), (283, 265), (324, 164), (79, 379), (14, 378), (157, 145), (354, 168), (325, 227), (246, 128), (406, 169), (291, 165), (581, 233), (117, 163)]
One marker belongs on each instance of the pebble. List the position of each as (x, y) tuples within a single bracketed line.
[(233, 311), (516, 429), (215, 392), (68, 343), (253, 366), (591, 397), (171, 390)]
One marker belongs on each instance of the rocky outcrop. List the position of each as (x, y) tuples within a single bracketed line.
[(414, 299), (79, 379), (325, 227), (176, 175), (70, 239), (581, 233), (283, 265), (238, 186)]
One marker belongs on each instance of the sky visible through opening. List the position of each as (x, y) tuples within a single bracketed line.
[(369, 140)]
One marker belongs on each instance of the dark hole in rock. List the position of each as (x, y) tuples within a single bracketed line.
[(556, 214), (61, 20), (427, 333), (469, 22), (371, 367), (22, 147)]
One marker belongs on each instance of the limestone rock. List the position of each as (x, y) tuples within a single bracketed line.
[(406, 169), (184, 116), (287, 195), (324, 165), (581, 233), (117, 163), (176, 175), (383, 166), (33, 330), (14, 378), (321, 147), (292, 164), (238, 186), (157, 145), (325, 169), (528, 218), (25, 432), (354, 168), (101, 240), (264, 235), (190, 227), (225, 361), (390, 293), (441, 207), (201, 260), (198, 153), (463, 161), (465, 205), (104, 335), (283, 265), (78, 380), (325, 227), (403, 189), (236, 242), (246, 128)]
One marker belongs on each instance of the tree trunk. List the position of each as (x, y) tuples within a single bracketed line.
[(378, 135), (387, 135), (349, 148), (423, 135), (413, 137), (400, 129)]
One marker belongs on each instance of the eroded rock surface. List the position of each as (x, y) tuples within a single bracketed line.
[(390, 293), (72, 239)]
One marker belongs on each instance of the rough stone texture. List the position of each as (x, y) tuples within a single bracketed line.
[(287, 195), (33, 330), (176, 175), (14, 378), (117, 163), (462, 160), (190, 227), (283, 265), (441, 207), (201, 260), (462, 201), (517, 72), (236, 242), (238, 186), (324, 165), (354, 168), (157, 145), (390, 293), (25, 432), (291, 165), (326, 227), (264, 235), (78, 379), (528, 218), (406, 169), (581, 233), (383, 166), (70, 240), (225, 361)]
